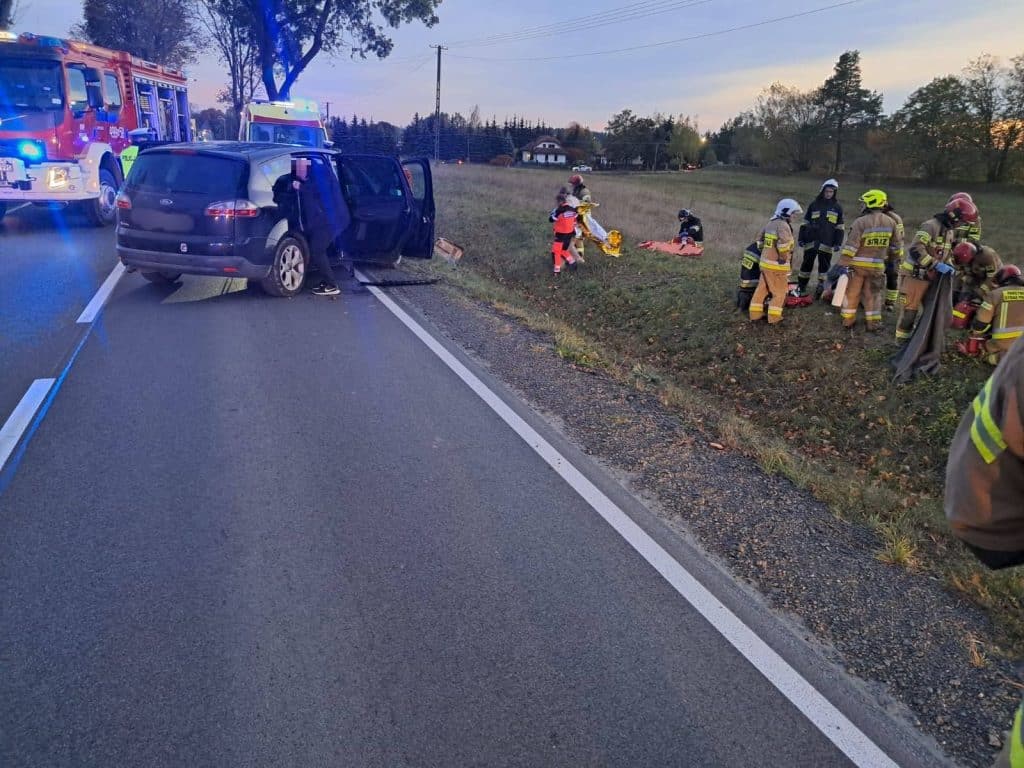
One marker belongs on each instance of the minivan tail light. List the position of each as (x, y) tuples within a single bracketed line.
[(233, 209), (124, 202)]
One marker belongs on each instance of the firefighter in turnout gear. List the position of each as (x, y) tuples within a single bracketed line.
[(976, 268), (564, 219), (967, 232), (776, 243), (873, 239), (580, 191), (927, 255), (690, 226), (985, 488), (820, 236), (750, 275), (892, 264), (999, 321)]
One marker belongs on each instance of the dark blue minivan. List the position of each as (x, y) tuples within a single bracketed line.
[(208, 209)]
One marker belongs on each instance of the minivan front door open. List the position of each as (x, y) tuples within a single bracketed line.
[(420, 243)]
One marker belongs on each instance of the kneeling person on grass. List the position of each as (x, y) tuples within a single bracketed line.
[(873, 238), (776, 243)]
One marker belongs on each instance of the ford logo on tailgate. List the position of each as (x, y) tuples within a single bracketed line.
[(183, 247)]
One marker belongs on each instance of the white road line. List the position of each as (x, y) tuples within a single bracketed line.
[(863, 752), (21, 417), (96, 304)]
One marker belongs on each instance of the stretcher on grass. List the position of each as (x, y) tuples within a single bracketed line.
[(677, 247)]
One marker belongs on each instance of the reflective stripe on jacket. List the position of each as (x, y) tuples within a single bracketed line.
[(932, 243), (985, 472), (873, 238), (776, 243)]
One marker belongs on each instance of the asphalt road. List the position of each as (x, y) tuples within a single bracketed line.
[(50, 266), (262, 532)]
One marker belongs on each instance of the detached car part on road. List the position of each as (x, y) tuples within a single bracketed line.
[(208, 209)]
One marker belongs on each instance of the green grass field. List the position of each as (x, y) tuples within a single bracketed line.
[(807, 399)]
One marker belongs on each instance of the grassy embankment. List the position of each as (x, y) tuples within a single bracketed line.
[(808, 400)]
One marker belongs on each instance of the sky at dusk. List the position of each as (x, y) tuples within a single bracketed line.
[(565, 71)]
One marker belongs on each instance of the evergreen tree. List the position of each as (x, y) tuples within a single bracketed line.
[(845, 105)]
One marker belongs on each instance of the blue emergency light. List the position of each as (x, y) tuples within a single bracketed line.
[(31, 151)]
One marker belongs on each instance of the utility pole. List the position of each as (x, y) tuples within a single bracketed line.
[(328, 111), (437, 106)]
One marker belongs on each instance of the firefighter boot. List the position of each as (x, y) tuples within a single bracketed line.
[(802, 283), (820, 290), (905, 327)]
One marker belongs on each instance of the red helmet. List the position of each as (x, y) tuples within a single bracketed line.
[(1008, 273), (575, 179), (964, 253), (961, 196), (962, 210)]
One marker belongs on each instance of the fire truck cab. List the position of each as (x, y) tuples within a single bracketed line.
[(66, 112), (295, 122)]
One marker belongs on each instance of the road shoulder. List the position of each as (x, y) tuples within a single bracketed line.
[(903, 634)]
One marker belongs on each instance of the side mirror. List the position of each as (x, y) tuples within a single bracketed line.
[(328, 144)]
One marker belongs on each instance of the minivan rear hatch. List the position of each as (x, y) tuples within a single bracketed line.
[(183, 200)]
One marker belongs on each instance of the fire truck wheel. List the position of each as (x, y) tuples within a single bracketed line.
[(161, 278), (101, 210), (288, 270)]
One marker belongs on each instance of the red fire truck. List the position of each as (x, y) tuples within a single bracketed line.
[(68, 109)]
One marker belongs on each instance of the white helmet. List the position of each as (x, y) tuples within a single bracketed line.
[(787, 207), (830, 183)]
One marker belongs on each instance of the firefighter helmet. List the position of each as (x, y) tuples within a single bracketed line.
[(1008, 273), (961, 196), (575, 179), (964, 253), (962, 210), (874, 198), (787, 207), (684, 213), (830, 183)]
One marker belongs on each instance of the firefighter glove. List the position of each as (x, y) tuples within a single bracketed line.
[(943, 268)]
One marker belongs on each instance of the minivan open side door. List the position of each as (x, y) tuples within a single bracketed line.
[(420, 243)]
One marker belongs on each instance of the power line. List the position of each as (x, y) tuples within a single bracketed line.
[(584, 23), (667, 42)]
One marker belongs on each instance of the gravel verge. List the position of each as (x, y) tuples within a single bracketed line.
[(902, 632)]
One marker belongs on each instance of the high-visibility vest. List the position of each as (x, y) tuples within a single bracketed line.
[(128, 155), (1017, 740)]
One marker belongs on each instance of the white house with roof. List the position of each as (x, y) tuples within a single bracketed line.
[(546, 150)]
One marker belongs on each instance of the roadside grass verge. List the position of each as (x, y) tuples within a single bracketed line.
[(808, 400)]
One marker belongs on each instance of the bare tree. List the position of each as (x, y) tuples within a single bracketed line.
[(791, 121), (995, 104), (228, 25)]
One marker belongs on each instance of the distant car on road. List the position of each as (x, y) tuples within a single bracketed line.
[(208, 209), (582, 168)]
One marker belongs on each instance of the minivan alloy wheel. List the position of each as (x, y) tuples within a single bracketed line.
[(291, 267)]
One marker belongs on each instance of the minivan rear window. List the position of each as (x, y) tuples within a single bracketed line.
[(188, 174)]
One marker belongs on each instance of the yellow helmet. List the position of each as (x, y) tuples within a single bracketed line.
[(874, 198)]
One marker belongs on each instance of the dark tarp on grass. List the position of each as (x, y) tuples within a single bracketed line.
[(922, 353)]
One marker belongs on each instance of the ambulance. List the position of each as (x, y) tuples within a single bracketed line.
[(296, 122)]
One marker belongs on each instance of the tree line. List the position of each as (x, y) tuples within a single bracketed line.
[(967, 126)]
